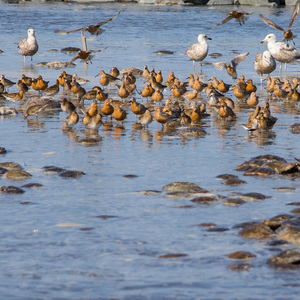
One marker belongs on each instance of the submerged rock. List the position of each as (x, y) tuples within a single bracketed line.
[(233, 202), (71, 174), (290, 234), (233, 181), (285, 189), (17, 175), (7, 111), (252, 196), (3, 171), (240, 267), (276, 221), (70, 50), (241, 255), (270, 157), (31, 185), (177, 195), (173, 255), (183, 187), (295, 128), (11, 190), (10, 166), (56, 65), (52, 170), (248, 165), (164, 52), (260, 172), (226, 176), (3, 150), (208, 200), (287, 257), (257, 231), (151, 192)]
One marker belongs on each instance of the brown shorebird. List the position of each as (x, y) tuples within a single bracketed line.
[(92, 29), (239, 16), (231, 68), (86, 56)]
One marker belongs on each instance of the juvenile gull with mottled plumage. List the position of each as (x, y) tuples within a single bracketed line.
[(198, 52), (29, 46)]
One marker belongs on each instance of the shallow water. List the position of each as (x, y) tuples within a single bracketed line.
[(115, 233)]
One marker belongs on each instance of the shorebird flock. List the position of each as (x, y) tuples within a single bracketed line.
[(169, 101)]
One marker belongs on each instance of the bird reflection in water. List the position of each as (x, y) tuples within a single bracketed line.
[(262, 137), (35, 124)]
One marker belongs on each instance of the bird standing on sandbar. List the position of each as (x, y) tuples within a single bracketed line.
[(29, 46), (198, 52)]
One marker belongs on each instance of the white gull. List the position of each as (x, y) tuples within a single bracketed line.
[(29, 46), (280, 51), (199, 51), (264, 64)]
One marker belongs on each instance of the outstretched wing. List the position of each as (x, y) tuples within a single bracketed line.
[(271, 24), (219, 65), (294, 15), (238, 59), (88, 27), (94, 51), (228, 18), (104, 22)]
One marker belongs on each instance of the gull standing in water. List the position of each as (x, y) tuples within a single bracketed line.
[(29, 46), (198, 52), (287, 34), (264, 64), (280, 51)]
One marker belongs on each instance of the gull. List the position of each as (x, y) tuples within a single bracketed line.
[(264, 64), (231, 69), (287, 34), (239, 16), (198, 52), (280, 51), (29, 46), (92, 29)]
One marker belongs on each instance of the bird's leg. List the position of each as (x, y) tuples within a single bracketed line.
[(285, 68), (280, 69), (193, 67), (261, 82), (83, 41)]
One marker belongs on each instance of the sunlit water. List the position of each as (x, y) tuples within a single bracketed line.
[(118, 257)]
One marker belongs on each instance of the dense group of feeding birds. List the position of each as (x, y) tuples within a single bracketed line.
[(168, 101)]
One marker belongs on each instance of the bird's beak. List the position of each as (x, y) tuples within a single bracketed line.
[(262, 41), (97, 75), (209, 38)]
